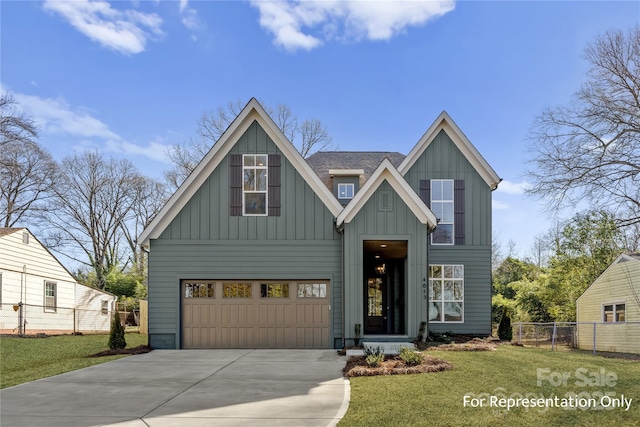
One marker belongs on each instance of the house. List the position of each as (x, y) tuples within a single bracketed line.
[(39, 295), (609, 310), (261, 248)]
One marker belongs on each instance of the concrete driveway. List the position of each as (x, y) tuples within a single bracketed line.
[(188, 388)]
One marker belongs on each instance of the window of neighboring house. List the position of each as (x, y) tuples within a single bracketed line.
[(199, 290), (50, 294), (312, 290), (345, 191), (274, 290), (446, 293), (236, 290), (614, 312), (254, 172), (442, 208), (104, 308)]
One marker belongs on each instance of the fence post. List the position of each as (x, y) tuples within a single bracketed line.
[(520, 333), (553, 337), (20, 318), (594, 337)]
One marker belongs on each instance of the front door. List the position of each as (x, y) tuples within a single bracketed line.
[(384, 286), (376, 311)]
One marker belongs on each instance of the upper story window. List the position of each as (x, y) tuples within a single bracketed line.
[(614, 312), (345, 191), (442, 208), (254, 172)]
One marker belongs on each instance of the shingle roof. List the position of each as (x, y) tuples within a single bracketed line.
[(322, 161), (6, 231)]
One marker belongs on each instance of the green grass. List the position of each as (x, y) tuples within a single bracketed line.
[(27, 359), (436, 399)]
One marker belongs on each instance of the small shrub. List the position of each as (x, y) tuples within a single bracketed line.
[(504, 328), (411, 357), (421, 329), (116, 335), (374, 356)]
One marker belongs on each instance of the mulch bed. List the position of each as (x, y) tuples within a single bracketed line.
[(136, 350), (358, 367)]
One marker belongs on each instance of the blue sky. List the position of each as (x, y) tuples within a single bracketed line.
[(130, 78)]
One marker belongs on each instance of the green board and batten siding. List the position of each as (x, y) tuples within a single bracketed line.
[(443, 160), (395, 222), (205, 242)]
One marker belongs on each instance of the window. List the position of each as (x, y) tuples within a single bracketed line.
[(274, 290), (312, 290), (446, 293), (236, 290), (345, 191), (199, 290), (25, 238), (442, 208), (614, 313), (254, 172), (104, 307), (50, 296)]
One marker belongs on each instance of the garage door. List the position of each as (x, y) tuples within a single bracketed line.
[(265, 314)]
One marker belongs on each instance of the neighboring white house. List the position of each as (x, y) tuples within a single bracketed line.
[(41, 295), (609, 310)]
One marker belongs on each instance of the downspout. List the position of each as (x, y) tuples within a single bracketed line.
[(23, 302)]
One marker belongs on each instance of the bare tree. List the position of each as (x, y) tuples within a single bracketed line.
[(94, 199), (590, 149), (15, 126), (26, 182), (309, 136), (539, 251)]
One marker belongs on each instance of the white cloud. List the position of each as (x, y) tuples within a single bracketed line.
[(512, 188), (290, 21), (125, 31), (154, 150), (56, 116), (189, 16)]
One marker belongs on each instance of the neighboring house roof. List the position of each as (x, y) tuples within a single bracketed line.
[(387, 171), (631, 257), (253, 111), (324, 161), (446, 123), (7, 231)]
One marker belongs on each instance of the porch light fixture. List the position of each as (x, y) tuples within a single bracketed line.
[(381, 269)]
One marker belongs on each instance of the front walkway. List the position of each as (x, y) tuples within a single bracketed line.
[(188, 388)]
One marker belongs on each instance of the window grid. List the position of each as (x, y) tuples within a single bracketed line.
[(274, 290), (236, 290), (199, 290), (50, 296), (613, 313), (442, 206), (254, 172), (312, 290), (446, 293), (345, 191)]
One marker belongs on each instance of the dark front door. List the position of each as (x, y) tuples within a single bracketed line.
[(384, 286), (376, 315)]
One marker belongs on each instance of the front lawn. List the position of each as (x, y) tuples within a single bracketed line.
[(437, 399), (27, 359)]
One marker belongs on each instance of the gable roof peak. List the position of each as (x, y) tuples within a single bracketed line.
[(446, 123)]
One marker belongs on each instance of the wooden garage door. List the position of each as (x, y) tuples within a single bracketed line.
[(236, 314)]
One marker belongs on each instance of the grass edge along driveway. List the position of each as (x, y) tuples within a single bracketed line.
[(28, 359), (437, 399)]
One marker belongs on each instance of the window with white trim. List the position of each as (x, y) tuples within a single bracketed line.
[(50, 294), (254, 172), (104, 306), (612, 313), (442, 208), (446, 293), (345, 191)]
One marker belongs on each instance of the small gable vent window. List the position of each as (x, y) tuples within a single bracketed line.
[(345, 191), (25, 238)]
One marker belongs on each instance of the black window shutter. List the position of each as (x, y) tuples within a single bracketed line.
[(425, 192), (458, 210), (235, 184), (274, 180)]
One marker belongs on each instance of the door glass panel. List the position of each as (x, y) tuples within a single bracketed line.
[(374, 297)]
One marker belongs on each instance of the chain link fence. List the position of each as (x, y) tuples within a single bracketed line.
[(597, 337), (28, 319)]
